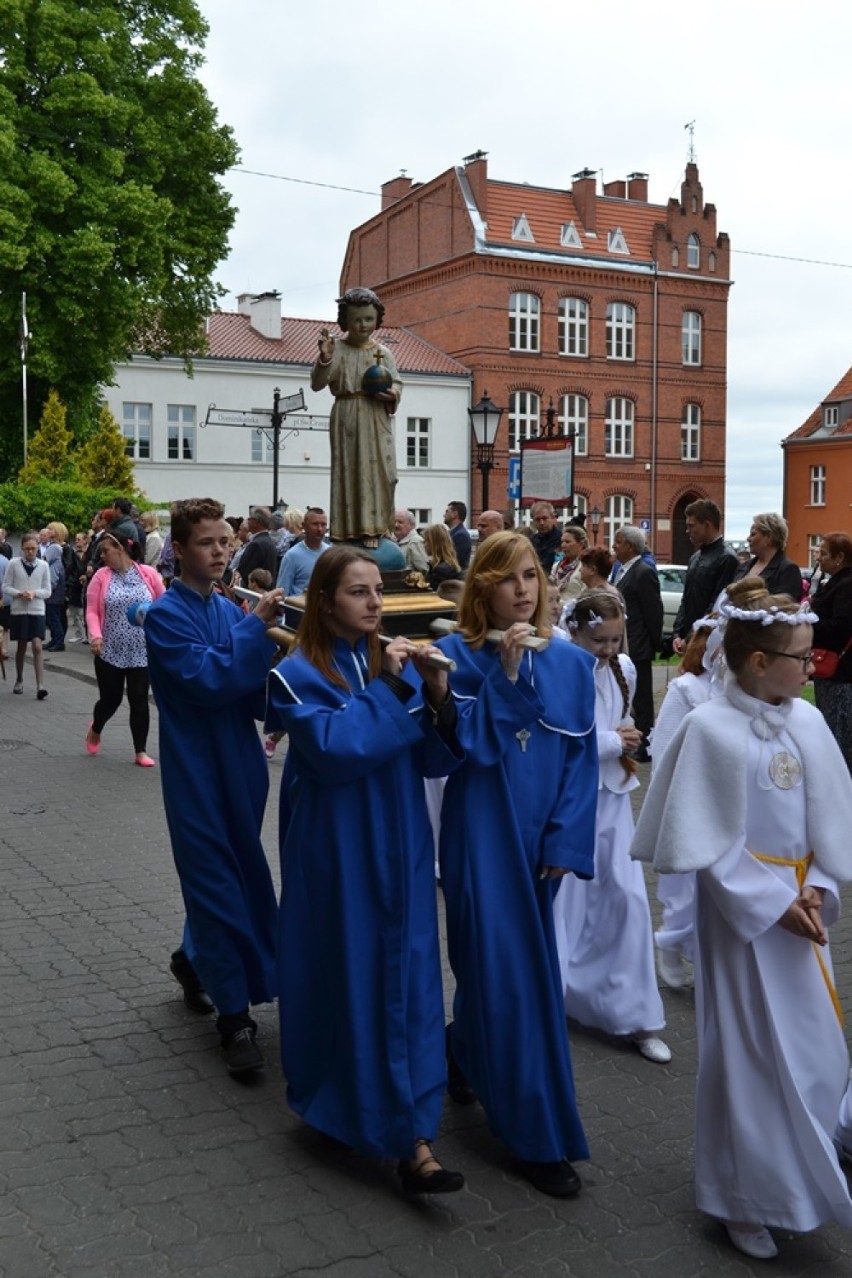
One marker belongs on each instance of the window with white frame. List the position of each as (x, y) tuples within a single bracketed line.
[(620, 331), (831, 415), (618, 427), (262, 447), (814, 543), (422, 516), (524, 409), (524, 314), (418, 433), (690, 433), (574, 419), (691, 337), (581, 506), (693, 252), (181, 432), (136, 429), (618, 512), (817, 485), (573, 327)]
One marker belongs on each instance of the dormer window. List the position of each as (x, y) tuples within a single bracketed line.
[(831, 415), (521, 229), (570, 237), (693, 252), (616, 243)]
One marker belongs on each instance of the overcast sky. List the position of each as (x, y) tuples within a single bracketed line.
[(330, 95)]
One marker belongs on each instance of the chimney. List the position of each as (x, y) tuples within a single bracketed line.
[(584, 195), (395, 189), (616, 188), (264, 312), (637, 187)]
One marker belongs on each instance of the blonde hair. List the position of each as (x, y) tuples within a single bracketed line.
[(439, 546), (495, 560), (58, 531)]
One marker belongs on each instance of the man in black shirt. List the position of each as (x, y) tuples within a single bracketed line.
[(547, 538), (710, 569)]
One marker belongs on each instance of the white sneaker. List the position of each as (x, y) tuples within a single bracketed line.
[(653, 1048), (673, 970), (752, 1240)]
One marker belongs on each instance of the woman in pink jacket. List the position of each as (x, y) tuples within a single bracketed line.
[(121, 658)]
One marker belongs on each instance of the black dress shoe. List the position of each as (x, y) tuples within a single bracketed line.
[(557, 1179), (416, 1180), (458, 1088), (194, 995), (242, 1052)]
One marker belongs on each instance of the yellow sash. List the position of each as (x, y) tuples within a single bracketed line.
[(801, 867)]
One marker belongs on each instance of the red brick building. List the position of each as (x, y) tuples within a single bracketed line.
[(818, 474), (613, 308)]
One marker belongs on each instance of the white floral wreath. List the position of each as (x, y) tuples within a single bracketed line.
[(766, 616), (568, 619)]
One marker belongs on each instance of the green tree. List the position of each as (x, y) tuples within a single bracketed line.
[(102, 461), (49, 450), (112, 214)]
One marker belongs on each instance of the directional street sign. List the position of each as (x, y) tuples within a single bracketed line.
[(236, 417)]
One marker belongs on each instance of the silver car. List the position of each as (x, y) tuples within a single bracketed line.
[(672, 577)]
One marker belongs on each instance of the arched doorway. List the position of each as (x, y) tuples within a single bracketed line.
[(682, 547)]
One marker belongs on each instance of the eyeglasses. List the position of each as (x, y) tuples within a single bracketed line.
[(804, 657)]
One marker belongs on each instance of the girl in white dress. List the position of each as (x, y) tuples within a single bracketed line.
[(697, 681), (603, 925), (753, 794)]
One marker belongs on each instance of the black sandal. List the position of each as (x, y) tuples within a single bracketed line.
[(416, 1180)]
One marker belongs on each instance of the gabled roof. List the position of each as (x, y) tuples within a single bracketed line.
[(813, 426), (548, 210), (230, 336)]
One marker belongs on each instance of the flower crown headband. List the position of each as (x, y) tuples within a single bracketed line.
[(570, 620), (766, 616)]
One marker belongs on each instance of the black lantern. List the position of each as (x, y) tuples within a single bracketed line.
[(484, 422), (596, 522)]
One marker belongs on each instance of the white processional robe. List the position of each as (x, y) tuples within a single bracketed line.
[(603, 925), (773, 1063)]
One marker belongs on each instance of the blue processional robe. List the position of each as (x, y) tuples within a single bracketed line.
[(518, 804), (360, 995), (208, 663)]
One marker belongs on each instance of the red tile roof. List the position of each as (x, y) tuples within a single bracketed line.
[(231, 336), (843, 390), (548, 210)]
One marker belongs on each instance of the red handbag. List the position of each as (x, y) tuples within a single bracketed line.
[(825, 662)]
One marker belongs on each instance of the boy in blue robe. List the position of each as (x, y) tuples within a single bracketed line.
[(208, 663)]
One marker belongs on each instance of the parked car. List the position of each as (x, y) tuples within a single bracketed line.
[(672, 577)]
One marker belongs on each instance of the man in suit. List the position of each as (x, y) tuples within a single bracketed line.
[(640, 589), (260, 551)]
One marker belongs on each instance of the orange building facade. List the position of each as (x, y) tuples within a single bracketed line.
[(818, 474), (599, 304)]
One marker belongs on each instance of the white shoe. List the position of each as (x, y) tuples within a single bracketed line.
[(653, 1048), (673, 970), (754, 1240)]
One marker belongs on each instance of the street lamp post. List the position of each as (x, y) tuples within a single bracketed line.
[(484, 422), (596, 522)]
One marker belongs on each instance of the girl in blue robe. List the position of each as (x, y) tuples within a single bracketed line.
[(518, 814), (361, 1003)]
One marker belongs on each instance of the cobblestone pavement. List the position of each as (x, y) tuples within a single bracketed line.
[(127, 1152)]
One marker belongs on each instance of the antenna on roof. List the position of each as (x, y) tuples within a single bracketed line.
[(690, 155)]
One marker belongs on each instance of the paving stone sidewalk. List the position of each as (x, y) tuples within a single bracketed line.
[(127, 1152)]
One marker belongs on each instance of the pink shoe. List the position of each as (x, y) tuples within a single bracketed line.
[(92, 747), (145, 761)]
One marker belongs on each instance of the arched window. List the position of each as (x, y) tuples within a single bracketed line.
[(524, 410), (690, 433), (573, 326), (618, 427), (524, 313), (693, 252), (691, 337), (620, 331), (675, 257), (574, 418), (619, 511)]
